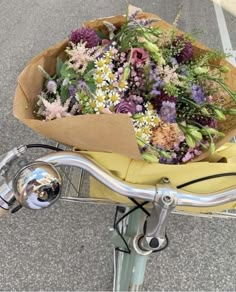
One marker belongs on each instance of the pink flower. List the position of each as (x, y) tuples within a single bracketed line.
[(106, 111), (105, 42), (188, 156), (139, 56)]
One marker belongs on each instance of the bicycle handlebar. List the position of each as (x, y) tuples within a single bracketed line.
[(138, 191)]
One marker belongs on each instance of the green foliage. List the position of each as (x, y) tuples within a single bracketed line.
[(171, 89), (64, 93), (92, 85), (101, 34), (83, 100), (88, 70), (67, 72), (59, 66), (130, 36)]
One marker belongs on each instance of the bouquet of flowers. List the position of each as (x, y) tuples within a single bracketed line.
[(141, 79)]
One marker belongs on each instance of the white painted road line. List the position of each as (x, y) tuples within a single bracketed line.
[(224, 33)]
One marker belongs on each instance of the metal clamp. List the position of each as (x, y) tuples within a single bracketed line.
[(154, 237)]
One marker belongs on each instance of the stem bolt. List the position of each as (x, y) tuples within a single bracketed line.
[(165, 180), (167, 199)]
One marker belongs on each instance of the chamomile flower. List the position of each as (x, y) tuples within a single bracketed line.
[(111, 52), (99, 63), (111, 77), (114, 98), (106, 70), (99, 80), (100, 96), (99, 107), (144, 123), (122, 85)]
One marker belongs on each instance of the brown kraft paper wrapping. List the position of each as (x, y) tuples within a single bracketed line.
[(103, 133)]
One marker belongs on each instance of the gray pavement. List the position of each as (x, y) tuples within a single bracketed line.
[(68, 246)]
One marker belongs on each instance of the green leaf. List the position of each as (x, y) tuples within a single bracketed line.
[(164, 154), (190, 141), (101, 35), (219, 114), (92, 86), (67, 72), (64, 93), (212, 148), (149, 157), (59, 66), (73, 82), (90, 66), (230, 111), (46, 75), (197, 136), (212, 131)]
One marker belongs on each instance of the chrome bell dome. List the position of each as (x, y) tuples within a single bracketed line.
[(37, 185)]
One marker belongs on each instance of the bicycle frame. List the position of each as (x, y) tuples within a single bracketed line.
[(129, 268)]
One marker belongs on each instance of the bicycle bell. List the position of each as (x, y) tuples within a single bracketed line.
[(37, 185)]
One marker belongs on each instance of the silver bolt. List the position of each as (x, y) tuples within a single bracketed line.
[(165, 180), (167, 199)]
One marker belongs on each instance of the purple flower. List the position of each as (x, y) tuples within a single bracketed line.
[(139, 55), (197, 93), (206, 121), (187, 51), (72, 90), (155, 92), (188, 156), (126, 107), (85, 35), (158, 100), (157, 85), (52, 86), (82, 85), (168, 112), (139, 108)]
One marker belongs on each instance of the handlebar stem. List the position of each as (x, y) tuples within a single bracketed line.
[(154, 237)]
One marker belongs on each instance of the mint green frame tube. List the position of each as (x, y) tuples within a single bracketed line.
[(130, 268)]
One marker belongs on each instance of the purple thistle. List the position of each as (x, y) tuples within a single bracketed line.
[(197, 93), (187, 51), (168, 112), (84, 35), (52, 86)]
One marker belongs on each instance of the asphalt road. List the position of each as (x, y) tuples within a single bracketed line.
[(68, 246)]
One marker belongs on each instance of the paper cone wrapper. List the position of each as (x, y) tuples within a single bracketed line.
[(106, 133)]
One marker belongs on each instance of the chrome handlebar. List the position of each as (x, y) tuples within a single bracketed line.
[(39, 184), (143, 192)]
